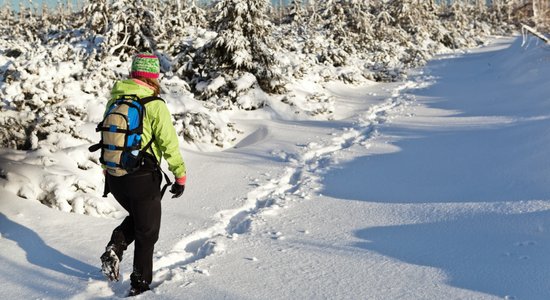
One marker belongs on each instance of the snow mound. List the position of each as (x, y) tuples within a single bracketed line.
[(69, 180)]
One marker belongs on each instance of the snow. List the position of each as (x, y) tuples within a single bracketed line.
[(431, 188)]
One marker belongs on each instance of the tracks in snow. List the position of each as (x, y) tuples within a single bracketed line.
[(298, 181)]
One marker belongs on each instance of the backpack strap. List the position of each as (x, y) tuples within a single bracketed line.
[(146, 100), (166, 185), (166, 178), (95, 147)]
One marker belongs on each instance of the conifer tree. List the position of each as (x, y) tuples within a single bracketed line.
[(359, 21), (124, 27), (27, 24), (500, 12), (333, 17), (97, 15), (243, 42), (64, 18), (173, 25), (194, 15), (295, 18), (419, 20), (413, 16), (8, 23), (296, 12), (458, 25)]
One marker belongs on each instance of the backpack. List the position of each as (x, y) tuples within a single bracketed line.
[(121, 130)]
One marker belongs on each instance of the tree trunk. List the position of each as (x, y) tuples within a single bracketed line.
[(547, 16), (281, 9)]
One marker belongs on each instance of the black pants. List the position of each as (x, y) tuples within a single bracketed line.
[(139, 194)]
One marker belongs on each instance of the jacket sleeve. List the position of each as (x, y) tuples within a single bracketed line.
[(167, 140)]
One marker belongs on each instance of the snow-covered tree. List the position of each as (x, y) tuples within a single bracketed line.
[(194, 15), (244, 41), (541, 14), (335, 14), (419, 19), (123, 27), (345, 24), (63, 18), (27, 24), (98, 16), (242, 33), (414, 16), (221, 53), (296, 12), (8, 21), (182, 13), (459, 22), (359, 16), (359, 21), (499, 16), (173, 25)]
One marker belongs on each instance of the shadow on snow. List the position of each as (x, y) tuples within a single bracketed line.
[(42, 255), (469, 161), (481, 157), (494, 254)]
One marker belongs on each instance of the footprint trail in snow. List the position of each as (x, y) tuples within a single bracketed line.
[(299, 180)]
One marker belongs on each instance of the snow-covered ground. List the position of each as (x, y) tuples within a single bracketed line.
[(434, 188)]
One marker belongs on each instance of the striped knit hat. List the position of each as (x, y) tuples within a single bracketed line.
[(145, 65)]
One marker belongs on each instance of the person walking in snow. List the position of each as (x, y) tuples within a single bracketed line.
[(139, 192)]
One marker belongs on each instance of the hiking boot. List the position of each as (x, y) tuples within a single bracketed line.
[(134, 291), (110, 264), (138, 285)]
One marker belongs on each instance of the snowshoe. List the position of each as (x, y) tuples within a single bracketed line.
[(110, 264)]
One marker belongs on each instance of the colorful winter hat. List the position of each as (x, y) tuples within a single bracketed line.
[(145, 65)]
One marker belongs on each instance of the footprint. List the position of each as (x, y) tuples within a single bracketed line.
[(525, 243), (187, 284)]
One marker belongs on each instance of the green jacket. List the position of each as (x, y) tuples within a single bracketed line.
[(157, 121)]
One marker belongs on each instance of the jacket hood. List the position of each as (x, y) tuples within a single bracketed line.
[(131, 87)]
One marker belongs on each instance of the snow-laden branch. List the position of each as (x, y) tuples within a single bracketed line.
[(533, 31)]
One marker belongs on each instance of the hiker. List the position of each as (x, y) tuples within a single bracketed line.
[(139, 191)]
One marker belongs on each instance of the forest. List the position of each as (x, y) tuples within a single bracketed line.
[(225, 55)]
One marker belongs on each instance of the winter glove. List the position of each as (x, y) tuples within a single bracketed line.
[(177, 189)]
